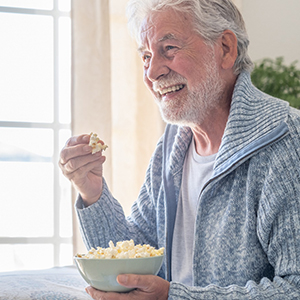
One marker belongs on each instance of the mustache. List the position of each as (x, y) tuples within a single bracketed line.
[(168, 80)]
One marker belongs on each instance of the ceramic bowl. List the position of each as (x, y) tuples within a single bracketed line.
[(102, 273)]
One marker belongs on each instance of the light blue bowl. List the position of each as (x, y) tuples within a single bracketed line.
[(102, 273)]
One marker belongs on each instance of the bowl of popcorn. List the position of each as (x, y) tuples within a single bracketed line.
[(100, 267)]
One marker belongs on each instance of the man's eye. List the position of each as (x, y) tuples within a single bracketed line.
[(169, 48), (146, 57), (146, 60)]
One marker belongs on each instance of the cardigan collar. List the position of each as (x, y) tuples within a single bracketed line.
[(255, 120)]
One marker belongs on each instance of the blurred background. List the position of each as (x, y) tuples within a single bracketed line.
[(70, 67)]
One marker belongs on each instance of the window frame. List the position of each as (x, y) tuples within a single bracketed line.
[(56, 241)]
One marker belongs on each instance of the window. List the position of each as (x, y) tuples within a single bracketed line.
[(35, 122)]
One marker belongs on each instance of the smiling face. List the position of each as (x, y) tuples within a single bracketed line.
[(180, 70)]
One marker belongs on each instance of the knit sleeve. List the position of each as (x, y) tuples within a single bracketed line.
[(278, 289), (105, 220)]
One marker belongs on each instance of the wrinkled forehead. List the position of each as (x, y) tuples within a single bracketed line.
[(160, 25)]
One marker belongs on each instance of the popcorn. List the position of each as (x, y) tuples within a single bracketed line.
[(95, 143), (124, 249)]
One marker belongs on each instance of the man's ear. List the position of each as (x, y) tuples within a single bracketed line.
[(229, 49)]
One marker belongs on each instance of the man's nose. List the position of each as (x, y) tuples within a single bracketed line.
[(158, 67)]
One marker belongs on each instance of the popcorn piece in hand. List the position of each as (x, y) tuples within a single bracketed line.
[(95, 143)]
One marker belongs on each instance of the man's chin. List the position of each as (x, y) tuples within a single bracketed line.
[(174, 120), (189, 120)]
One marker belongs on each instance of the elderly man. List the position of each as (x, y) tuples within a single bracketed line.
[(222, 191)]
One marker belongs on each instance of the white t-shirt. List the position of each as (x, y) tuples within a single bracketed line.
[(197, 170)]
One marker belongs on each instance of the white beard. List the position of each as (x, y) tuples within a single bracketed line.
[(199, 101)]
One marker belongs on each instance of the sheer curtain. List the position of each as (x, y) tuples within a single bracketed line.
[(109, 97)]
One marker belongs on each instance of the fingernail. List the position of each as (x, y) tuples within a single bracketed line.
[(122, 279), (86, 138)]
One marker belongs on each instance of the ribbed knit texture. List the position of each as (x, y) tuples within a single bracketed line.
[(247, 241)]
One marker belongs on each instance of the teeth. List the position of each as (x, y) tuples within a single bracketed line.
[(171, 89)]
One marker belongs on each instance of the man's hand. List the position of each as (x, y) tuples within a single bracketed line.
[(83, 168), (146, 287)]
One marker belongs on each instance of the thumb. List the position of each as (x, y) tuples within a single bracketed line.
[(131, 280)]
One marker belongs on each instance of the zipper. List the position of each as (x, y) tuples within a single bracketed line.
[(274, 136)]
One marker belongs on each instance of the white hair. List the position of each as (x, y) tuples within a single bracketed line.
[(211, 19)]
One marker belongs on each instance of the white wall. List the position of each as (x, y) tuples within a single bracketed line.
[(273, 27)]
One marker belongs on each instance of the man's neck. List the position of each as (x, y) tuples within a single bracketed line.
[(208, 136)]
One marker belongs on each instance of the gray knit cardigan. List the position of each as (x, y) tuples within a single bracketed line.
[(247, 231)]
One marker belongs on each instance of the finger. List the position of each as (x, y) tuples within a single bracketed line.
[(78, 139), (146, 286), (81, 175), (73, 164), (92, 292), (69, 152), (100, 295), (95, 294), (75, 146), (134, 281)]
